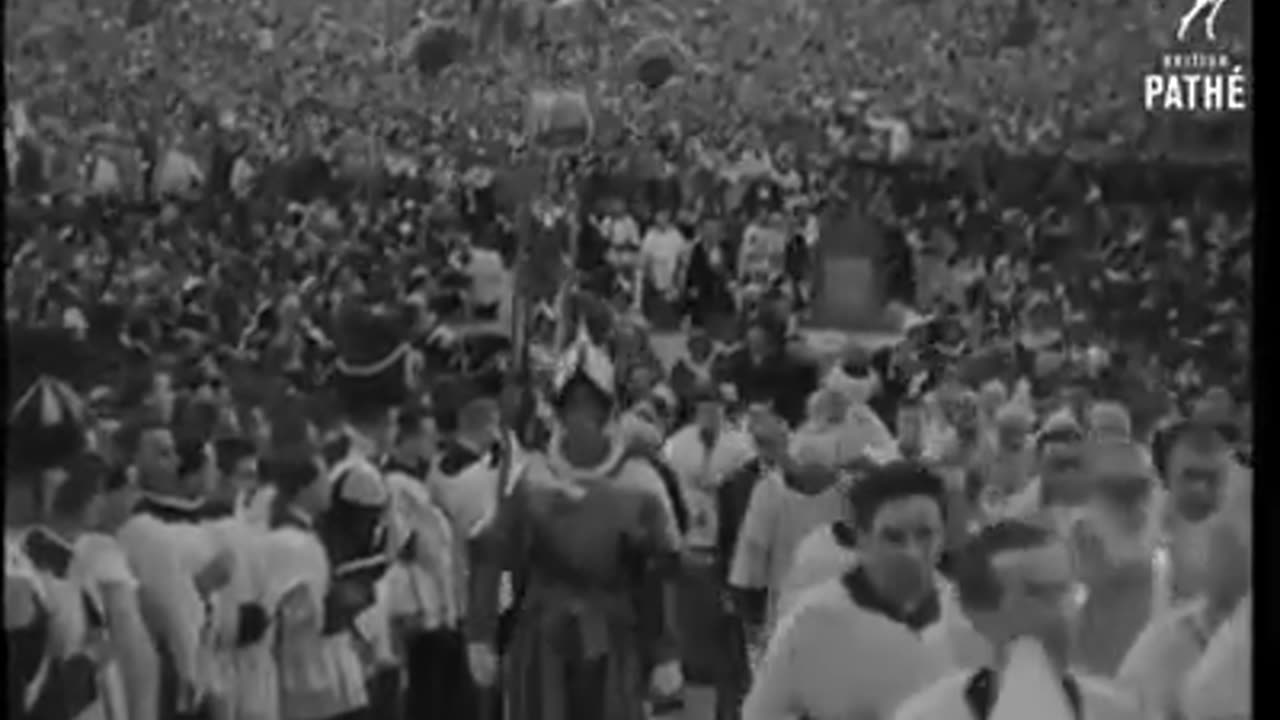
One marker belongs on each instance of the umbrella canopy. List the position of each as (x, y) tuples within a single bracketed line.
[(656, 59), (559, 118), (436, 46), (177, 174)]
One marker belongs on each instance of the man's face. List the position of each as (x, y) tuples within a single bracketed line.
[(902, 545), (1013, 437), (1037, 598), (709, 416), (1196, 476), (244, 475), (157, 460), (641, 380), (769, 435), (757, 342)]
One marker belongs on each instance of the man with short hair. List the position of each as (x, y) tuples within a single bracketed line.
[(1196, 464), (240, 482), (419, 585), (1175, 641), (853, 647), (702, 454), (1016, 581), (178, 566), (769, 435), (465, 478), (1059, 488)]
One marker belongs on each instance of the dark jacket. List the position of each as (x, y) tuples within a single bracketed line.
[(781, 381), (732, 498)]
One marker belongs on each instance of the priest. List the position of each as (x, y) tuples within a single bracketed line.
[(1016, 582)]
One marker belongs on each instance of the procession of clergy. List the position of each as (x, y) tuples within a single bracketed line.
[(367, 575)]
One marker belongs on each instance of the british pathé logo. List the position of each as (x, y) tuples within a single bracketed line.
[(1199, 80), (1207, 10)]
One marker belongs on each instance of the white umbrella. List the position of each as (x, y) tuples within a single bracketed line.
[(101, 176), (177, 173)]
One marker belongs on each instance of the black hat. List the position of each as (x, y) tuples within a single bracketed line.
[(376, 367)]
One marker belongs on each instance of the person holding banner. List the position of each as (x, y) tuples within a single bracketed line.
[(593, 540)]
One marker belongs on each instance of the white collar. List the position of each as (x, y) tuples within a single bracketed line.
[(174, 502)]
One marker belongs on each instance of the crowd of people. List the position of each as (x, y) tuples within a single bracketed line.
[(332, 402)]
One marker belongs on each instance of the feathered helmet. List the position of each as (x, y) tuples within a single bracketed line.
[(584, 362), (48, 420), (376, 367)]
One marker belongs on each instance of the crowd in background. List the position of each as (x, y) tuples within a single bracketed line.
[(200, 197)]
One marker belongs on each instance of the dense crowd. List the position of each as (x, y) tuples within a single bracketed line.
[(336, 390)]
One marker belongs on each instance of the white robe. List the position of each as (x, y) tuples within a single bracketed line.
[(422, 587), (830, 659), (700, 471), (249, 689), (163, 556), (469, 501), (364, 482), (67, 599), (1220, 685), (777, 518), (99, 564), (1156, 666), (819, 557), (320, 676)]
